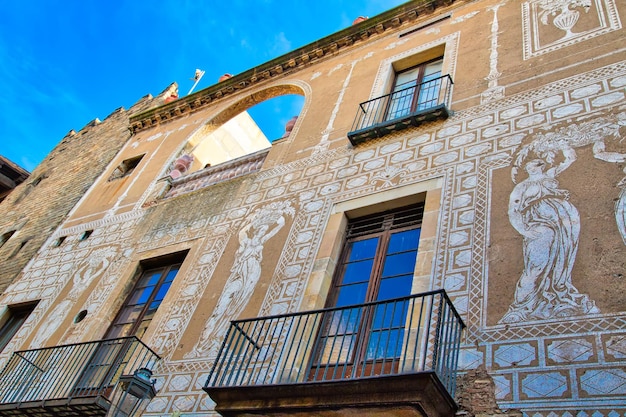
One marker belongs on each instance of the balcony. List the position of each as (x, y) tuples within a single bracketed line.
[(69, 380), (401, 109), (392, 358), (247, 164)]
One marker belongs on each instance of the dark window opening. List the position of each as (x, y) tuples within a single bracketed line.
[(6, 236), (37, 180), (14, 319), (19, 248), (126, 167), (80, 316), (86, 234), (60, 241)]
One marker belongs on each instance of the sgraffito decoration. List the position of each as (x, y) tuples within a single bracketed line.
[(549, 25), (540, 210), (260, 227), (91, 268)]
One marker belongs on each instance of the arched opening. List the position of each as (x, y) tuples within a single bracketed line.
[(247, 127), (275, 116)]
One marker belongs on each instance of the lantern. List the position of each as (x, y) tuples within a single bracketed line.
[(132, 394)]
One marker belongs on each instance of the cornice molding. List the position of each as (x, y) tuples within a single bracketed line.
[(295, 60)]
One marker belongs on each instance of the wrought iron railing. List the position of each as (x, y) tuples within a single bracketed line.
[(67, 372), (380, 115), (411, 334)]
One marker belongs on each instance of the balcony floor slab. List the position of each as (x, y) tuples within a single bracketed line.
[(407, 395)]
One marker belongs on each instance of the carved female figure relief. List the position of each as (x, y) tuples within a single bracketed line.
[(244, 274), (541, 212)]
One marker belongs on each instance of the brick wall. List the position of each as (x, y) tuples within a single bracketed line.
[(37, 206)]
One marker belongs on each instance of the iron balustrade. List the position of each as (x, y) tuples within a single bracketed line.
[(402, 108), (68, 372), (417, 333)]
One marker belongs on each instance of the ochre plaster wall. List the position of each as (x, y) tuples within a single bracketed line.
[(516, 83)]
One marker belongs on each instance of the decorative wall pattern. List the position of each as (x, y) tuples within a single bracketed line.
[(549, 25), (258, 228), (509, 161), (92, 268)]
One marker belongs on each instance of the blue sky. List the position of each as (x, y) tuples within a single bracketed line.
[(65, 62)]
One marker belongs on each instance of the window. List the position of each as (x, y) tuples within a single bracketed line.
[(377, 264), (411, 88), (415, 89), (15, 318), (6, 236), (59, 241), (86, 234), (126, 167), (37, 180), (154, 280)]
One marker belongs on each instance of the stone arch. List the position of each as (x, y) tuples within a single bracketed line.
[(235, 109)]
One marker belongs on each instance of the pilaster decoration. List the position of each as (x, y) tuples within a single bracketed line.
[(494, 91), (391, 20)]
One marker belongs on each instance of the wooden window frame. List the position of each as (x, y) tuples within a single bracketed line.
[(166, 265), (358, 229), (15, 318), (418, 81)]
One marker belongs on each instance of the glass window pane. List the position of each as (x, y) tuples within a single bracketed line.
[(400, 103), (351, 294), (390, 315), (337, 349), (141, 296), (406, 78), (129, 314), (171, 274), (151, 287), (362, 249), (385, 344), (150, 277), (395, 287), (403, 241), (357, 272), (433, 70), (119, 331), (160, 295), (399, 264)]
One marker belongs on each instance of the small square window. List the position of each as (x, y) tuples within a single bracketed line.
[(86, 234), (126, 167), (6, 236)]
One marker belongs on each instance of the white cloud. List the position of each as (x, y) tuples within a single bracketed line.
[(280, 45)]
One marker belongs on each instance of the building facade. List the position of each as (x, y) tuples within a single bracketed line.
[(35, 208), (475, 147), (11, 175)]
